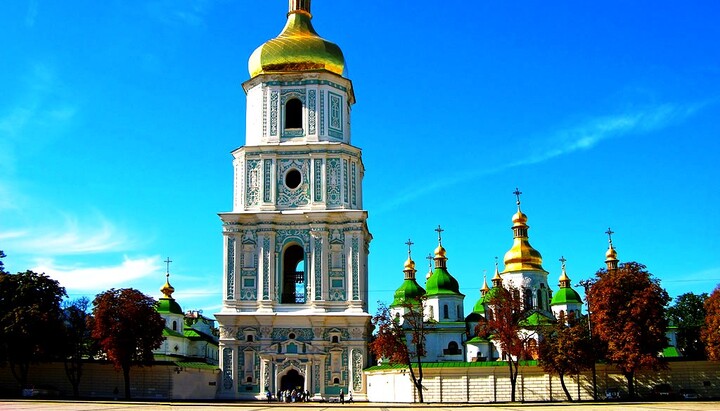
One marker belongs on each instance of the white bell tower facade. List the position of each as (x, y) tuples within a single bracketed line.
[(294, 307)]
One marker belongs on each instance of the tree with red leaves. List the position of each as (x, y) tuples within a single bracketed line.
[(505, 315), (566, 349), (629, 318), (128, 328), (401, 340), (711, 331)]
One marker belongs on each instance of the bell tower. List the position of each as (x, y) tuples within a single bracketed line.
[(294, 306)]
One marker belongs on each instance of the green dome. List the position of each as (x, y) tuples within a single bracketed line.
[(566, 296), (168, 306), (409, 290), (479, 306), (441, 282)]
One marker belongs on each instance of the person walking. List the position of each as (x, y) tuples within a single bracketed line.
[(342, 396)]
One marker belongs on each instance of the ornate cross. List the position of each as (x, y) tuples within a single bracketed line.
[(430, 259), (167, 262), (562, 261), (517, 193), (609, 232), (409, 243), (439, 231)]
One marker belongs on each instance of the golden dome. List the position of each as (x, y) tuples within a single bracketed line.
[(297, 48), (409, 264), (167, 289), (519, 218), (611, 254), (440, 251), (521, 256)]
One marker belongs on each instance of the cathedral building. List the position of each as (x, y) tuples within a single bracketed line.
[(294, 309), (450, 336)]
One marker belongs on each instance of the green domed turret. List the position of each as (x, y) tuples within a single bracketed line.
[(409, 291)]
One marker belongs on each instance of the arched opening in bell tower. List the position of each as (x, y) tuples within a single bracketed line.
[(293, 275), (293, 113)]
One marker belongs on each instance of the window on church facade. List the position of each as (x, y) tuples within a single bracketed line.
[(293, 113), (452, 349), (174, 325), (446, 312)]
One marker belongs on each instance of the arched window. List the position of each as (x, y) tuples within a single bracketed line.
[(293, 113), (446, 311), (335, 339), (174, 325), (452, 349), (527, 297), (293, 276), (250, 338)]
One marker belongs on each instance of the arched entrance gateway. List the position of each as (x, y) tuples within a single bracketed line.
[(292, 380)]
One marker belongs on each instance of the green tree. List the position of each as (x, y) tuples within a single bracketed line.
[(688, 315), (2, 265), (30, 320), (629, 318), (77, 340), (401, 340), (566, 349), (127, 328), (711, 331)]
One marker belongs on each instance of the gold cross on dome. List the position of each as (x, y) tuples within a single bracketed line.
[(439, 231), (517, 193), (609, 232), (167, 262), (409, 243), (562, 261)]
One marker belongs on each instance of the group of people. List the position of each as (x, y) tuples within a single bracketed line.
[(293, 395), (296, 395)]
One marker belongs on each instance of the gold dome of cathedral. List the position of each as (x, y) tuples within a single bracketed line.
[(297, 48)]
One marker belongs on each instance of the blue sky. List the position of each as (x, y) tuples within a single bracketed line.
[(117, 120)]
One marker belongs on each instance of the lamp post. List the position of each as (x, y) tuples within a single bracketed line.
[(587, 284)]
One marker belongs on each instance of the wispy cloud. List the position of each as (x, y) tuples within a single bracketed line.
[(595, 130), (562, 142), (37, 114), (93, 235), (103, 277)]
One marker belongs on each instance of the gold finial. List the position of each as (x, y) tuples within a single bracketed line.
[(430, 259), (610, 232), (496, 280), (299, 6), (440, 250), (517, 193), (167, 289), (485, 287), (409, 263), (564, 279), (611, 259)]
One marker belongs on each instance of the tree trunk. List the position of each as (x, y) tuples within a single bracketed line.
[(630, 377), (126, 377), (513, 377), (20, 372), (417, 381), (562, 383), (73, 370)]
